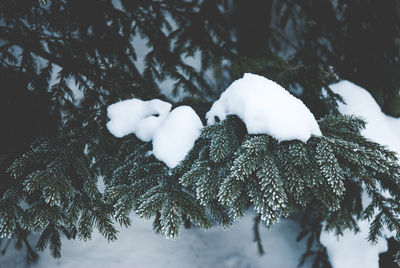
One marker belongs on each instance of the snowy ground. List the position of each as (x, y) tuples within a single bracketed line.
[(138, 246)]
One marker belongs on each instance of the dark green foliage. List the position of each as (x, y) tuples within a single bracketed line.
[(56, 178), (358, 38), (273, 178), (59, 198)]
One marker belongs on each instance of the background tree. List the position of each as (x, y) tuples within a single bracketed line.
[(48, 46)]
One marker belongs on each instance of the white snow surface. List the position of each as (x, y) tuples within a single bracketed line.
[(141, 118), (139, 247), (266, 108), (177, 135), (353, 250), (173, 133), (358, 101)]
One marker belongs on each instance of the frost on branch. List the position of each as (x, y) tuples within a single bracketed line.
[(257, 156), (353, 249)]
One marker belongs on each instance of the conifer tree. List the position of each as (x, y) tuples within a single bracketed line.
[(50, 185)]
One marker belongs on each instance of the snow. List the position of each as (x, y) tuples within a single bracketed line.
[(353, 250), (266, 108), (141, 118), (176, 136), (138, 246), (173, 133), (380, 127)]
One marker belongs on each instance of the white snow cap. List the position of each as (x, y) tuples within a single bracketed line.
[(380, 127), (173, 134), (266, 108), (353, 250), (141, 118), (177, 135)]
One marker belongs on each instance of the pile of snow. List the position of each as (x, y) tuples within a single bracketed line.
[(380, 127), (141, 118), (176, 136), (263, 105), (353, 250), (266, 108), (173, 133)]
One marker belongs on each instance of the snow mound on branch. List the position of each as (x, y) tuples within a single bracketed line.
[(173, 134), (380, 127), (266, 108), (353, 250), (138, 117), (176, 136)]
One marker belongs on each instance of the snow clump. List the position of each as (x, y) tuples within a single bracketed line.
[(263, 105), (173, 133), (177, 135), (266, 108), (141, 118)]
